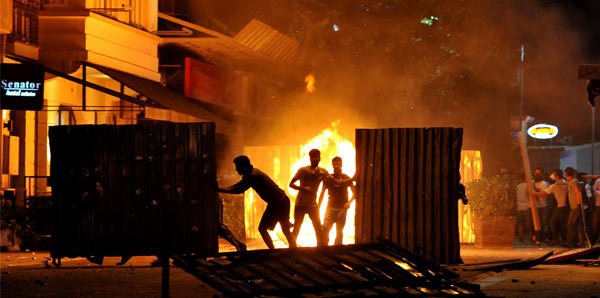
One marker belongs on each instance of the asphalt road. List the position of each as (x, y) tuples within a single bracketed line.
[(27, 275)]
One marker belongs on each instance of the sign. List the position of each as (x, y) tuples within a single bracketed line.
[(203, 82), (21, 86), (542, 131)]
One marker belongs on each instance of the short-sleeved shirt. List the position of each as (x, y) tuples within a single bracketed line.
[(310, 177), (522, 199), (264, 186), (573, 186), (560, 193), (338, 193)]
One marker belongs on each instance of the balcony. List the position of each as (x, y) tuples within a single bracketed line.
[(24, 39)]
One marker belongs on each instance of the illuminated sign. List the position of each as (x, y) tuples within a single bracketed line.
[(21, 86), (542, 131)]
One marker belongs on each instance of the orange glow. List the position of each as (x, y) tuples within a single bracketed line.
[(310, 83), (281, 163), (331, 144), (470, 169)]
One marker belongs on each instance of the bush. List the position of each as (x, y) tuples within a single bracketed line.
[(494, 196)]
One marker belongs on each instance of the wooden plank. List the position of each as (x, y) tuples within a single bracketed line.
[(403, 187), (527, 168), (387, 185), (395, 184), (377, 185), (454, 243), (429, 221)]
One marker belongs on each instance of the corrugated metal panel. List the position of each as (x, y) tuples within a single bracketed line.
[(113, 186), (406, 189), (264, 39), (375, 270)]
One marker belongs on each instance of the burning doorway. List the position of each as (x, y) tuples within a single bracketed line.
[(281, 163)]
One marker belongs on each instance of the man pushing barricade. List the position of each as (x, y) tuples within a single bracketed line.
[(278, 204)]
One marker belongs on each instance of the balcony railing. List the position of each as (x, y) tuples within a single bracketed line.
[(25, 21)]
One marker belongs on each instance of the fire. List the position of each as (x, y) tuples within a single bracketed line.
[(310, 83), (331, 144)]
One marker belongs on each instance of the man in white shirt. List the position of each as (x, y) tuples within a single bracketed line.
[(559, 217)]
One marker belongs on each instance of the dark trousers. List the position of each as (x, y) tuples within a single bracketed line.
[(521, 225), (313, 214), (573, 224), (595, 228), (545, 217), (558, 223)]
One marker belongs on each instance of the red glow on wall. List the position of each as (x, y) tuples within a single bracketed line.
[(203, 82)]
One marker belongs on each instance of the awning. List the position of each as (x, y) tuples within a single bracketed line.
[(256, 48), (169, 99)]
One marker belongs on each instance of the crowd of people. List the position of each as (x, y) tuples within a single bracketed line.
[(568, 206)]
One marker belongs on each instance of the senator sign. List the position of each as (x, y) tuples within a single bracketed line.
[(542, 131), (21, 86)]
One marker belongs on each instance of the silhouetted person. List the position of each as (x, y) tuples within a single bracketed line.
[(278, 204), (338, 202), (306, 202), (224, 231)]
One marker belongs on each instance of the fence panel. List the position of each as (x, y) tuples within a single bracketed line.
[(406, 191), (113, 185)]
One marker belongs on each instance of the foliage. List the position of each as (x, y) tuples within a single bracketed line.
[(494, 196)]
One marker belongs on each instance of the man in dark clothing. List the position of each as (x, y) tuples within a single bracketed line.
[(278, 204), (306, 202), (575, 207), (338, 203)]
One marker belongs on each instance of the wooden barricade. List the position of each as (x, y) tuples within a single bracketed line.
[(406, 189), (114, 186)]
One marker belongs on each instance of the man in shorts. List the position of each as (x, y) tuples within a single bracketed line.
[(278, 204)]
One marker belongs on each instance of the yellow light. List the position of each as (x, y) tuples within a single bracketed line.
[(310, 83), (331, 144)]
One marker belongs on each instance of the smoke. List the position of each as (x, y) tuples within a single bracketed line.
[(426, 63)]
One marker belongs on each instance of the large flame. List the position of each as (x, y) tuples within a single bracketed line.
[(331, 144)]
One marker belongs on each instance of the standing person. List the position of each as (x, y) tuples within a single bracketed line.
[(596, 212), (559, 217), (523, 214), (338, 203), (306, 202), (278, 204), (574, 197)]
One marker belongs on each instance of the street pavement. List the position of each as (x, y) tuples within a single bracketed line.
[(31, 274)]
